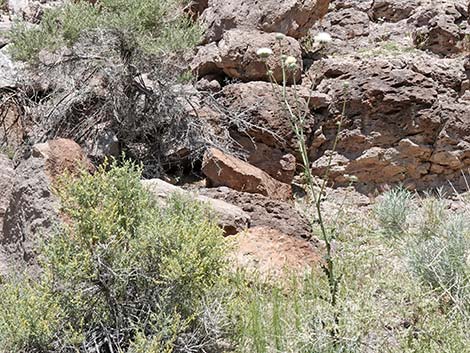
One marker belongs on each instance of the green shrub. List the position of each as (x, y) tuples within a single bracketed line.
[(124, 272), (393, 211), (156, 26), (441, 260), (30, 316)]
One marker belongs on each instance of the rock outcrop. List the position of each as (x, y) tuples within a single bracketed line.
[(397, 120), (235, 56), (272, 253), (291, 17), (224, 170)]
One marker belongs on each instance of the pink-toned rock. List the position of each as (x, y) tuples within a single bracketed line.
[(224, 170), (235, 56), (272, 253), (62, 155)]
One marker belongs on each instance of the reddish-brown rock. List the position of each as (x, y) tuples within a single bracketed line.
[(263, 114), (224, 170), (271, 252), (401, 124), (276, 163), (7, 175), (62, 155), (33, 209), (265, 212)]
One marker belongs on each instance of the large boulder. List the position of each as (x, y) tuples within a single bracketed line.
[(32, 211), (231, 219), (291, 17), (224, 170), (235, 56)]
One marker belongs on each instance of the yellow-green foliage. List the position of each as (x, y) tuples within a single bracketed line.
[(30, 316), (155, 26), (121, 269)]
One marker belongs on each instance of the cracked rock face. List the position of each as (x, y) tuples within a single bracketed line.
[(291, 17), (405, 121)]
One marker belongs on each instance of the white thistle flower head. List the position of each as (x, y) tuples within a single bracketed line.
[(290, 60), (322, 38), (280, 36), (352, 178), (264, 52)]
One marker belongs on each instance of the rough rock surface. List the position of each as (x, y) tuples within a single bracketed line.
[(404, 121), (231, 218), (276, 163), (235, 56), (7, 175), (62, 155), (441, 28), (33, 209), (264, 212), (291, 17), (271, 252), (224, 170), (407, 112), (11, 125), (267, 120)]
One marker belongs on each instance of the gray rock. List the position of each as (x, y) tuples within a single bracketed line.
[(291, 17), (32, 212), (7, 175), (9, 76), (230, 218)]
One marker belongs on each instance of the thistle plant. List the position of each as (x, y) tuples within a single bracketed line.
[(298, 112)]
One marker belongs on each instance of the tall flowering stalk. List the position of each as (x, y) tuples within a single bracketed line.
[(298, 113)]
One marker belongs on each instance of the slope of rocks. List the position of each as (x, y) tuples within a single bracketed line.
[(400, 70), (407, 106)]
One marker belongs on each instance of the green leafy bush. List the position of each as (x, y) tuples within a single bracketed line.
[(30, 316), (122, 274), (156, 26)]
